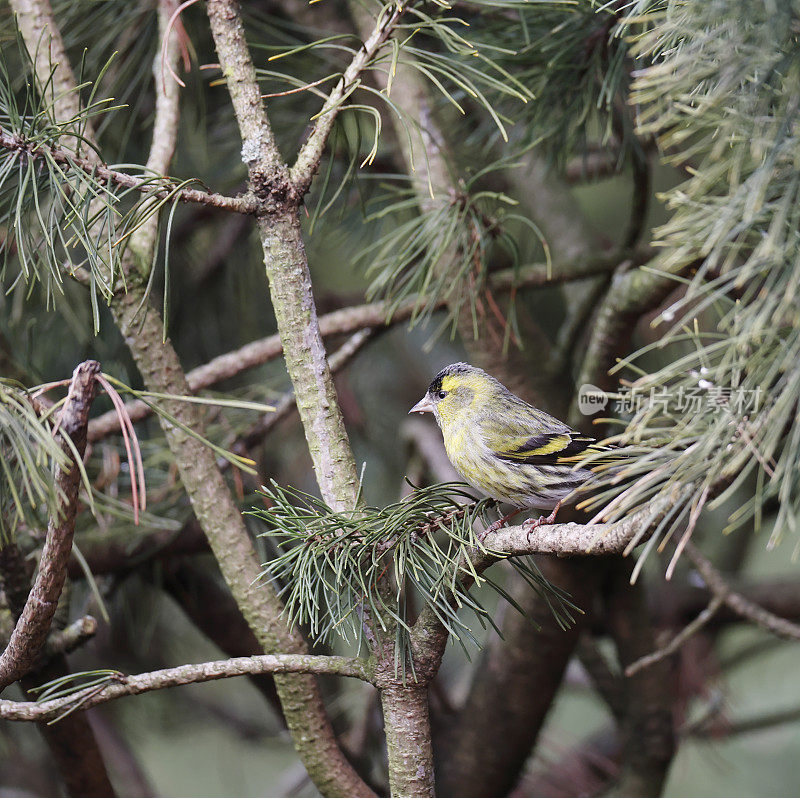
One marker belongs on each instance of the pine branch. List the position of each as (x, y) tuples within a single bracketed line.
[(150, 187), (120, 685), (33, 625), (428, 636), (304, 353), (308, 158)]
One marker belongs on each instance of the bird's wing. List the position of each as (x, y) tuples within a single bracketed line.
[(546, 448)]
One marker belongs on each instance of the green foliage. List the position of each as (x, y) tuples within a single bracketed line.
[(335, 568), (50, 209), (444, 253), (29, 454), (723, 96), (61, 218), (78, 687)]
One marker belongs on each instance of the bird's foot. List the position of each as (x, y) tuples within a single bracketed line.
[(494, 527), (531, 523)]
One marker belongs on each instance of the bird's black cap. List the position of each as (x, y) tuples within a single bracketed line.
[(453, 368)]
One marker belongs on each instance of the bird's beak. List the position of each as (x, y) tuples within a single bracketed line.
[(423, 406)]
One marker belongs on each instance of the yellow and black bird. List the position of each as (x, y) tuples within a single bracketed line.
[(504, 446)]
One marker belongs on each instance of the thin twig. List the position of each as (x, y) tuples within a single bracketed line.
[(744, 725), (73, 636), (184, 674), (736, 601), (670, 648)]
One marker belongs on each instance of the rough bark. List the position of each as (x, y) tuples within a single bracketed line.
[(33, 624), (408, 739), (306, 361), (287, 266)]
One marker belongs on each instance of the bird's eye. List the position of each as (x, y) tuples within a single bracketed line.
[(442, 394)]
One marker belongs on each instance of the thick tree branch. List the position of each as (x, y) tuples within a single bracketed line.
[(33, 626), (408, 740), (287, 269), (566, 540), (184, 674), (260, 152), (647, 724), (221, 520), (304, 353)]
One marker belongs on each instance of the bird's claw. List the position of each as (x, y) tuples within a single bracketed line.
[(531, 523), (491, 529), (498, 524)]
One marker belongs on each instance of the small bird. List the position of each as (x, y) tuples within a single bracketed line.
[(503, 446)]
